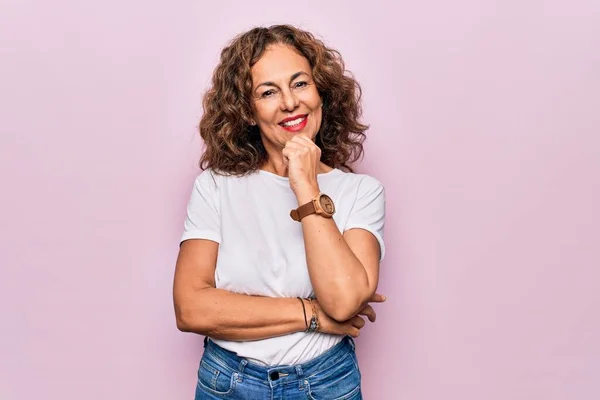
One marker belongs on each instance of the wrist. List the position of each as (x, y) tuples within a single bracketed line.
[(314, 324), (305, 315), (306, 194)]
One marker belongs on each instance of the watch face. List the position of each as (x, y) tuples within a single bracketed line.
[(327, 204)]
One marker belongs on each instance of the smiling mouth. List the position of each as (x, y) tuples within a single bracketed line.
[(294, 122)]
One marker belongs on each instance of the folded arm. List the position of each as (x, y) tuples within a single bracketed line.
[(220, 314)]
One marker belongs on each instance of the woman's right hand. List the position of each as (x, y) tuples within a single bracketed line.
[(351, 327)]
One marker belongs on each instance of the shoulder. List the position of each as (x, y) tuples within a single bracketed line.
[(215, 180), (207, 176), (213, 177), (362, 183), (208, 181)]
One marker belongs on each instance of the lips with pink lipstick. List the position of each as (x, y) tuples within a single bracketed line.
[(295, 123)]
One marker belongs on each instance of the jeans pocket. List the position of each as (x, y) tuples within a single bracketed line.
[(215, 379), (341, 382)]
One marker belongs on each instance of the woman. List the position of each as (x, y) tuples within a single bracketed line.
[(281, 248)]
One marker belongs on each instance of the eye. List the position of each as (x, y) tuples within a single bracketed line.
[(300, 84), (267, 93)]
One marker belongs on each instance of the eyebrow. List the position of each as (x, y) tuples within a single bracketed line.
[(294, 76)]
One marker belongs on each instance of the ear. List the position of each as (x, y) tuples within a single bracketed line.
[(249, 117), (249, 120)]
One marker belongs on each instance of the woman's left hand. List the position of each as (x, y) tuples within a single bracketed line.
[(302, 157)]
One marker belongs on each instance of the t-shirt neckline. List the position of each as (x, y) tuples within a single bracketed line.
[(284, 178)]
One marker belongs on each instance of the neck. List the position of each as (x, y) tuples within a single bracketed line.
[(276, 166)]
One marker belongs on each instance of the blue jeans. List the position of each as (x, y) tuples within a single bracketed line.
[(334, 375)]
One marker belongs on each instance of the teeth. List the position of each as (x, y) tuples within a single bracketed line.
[(294, 122)]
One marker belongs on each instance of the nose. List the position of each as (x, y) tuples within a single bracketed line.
[(289, 101)]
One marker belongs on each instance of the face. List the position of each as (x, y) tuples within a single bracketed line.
[(327, 204), (284, 97)]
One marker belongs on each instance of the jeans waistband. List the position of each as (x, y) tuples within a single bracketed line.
[(330, 358)]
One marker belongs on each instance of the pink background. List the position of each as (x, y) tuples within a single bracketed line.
[(485, 121)]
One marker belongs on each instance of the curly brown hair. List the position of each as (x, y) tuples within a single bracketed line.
[(234, 146)]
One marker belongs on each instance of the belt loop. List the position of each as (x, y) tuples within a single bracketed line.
[(299, 371), (242, 365), (352, 344)]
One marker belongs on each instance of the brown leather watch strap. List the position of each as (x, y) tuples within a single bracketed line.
[(303, 211)]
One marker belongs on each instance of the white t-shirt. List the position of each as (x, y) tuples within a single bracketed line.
[(261, 249)]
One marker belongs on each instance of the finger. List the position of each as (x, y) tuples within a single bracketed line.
[(305, 139), (286, 155), (377, 298), (354, 332), (294, 143), (298, 141), (301, 137), (295, 148), (290, 150), (358, 322), (369, 312)]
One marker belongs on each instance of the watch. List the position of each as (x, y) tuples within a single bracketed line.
[(321, 205)]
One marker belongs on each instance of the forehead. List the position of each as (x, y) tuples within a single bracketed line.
[(278, 63)]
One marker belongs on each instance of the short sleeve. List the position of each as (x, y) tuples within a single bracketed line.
[(203, 220), (368, 211)]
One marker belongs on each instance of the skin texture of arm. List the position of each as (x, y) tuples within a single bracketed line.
[(203, 309)]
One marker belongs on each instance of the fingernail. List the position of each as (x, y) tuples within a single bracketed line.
[(384, 298)]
